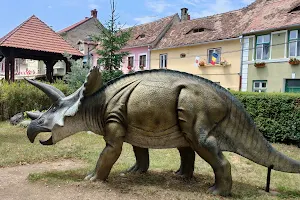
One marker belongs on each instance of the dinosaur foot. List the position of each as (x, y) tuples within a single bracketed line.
[(93, 177), (137, 169), (184, 175), (219, 191)]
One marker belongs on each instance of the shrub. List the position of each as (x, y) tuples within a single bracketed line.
[(21, 96), (78, 73), (277, 115), (109, 75)]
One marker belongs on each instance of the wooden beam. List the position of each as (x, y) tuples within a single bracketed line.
[(12, 69), (6, 66), (12, 64), (68, 65), (49, 69)]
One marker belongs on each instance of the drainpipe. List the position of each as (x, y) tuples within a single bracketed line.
[(149, 56), (242, 57)]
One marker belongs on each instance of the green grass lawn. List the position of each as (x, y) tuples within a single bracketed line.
[(248, 178)]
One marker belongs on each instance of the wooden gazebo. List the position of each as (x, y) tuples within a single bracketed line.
[(33, 39)]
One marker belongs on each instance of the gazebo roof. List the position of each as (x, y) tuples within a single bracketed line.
[(34, 34)]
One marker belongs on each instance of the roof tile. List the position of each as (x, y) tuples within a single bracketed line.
[(151, 30), (258, 16), (34, 34), (74, 25)]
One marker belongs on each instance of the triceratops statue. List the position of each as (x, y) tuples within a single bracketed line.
[(159, 109)]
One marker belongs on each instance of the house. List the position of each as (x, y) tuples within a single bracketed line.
[(82, 30), (190, 45), (269, 41), (143, 38), (79, 36)]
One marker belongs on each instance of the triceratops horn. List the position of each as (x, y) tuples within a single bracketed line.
[(34, 115), (53, 93)]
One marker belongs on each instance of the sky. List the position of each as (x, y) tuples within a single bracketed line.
[(59, 14)]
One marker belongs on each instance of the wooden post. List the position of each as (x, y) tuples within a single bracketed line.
[(6, 65), (269, 178), (12, 69), (49, 69)]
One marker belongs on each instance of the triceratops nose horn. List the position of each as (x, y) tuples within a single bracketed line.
[(53, 93)]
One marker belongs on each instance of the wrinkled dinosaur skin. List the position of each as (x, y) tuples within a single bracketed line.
[(160, 109), (187, 156)]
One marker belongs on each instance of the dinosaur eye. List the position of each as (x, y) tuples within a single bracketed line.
[(54, 108), (41, 121)]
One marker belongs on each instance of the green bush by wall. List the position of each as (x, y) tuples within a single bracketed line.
[(21, 96), (277, 115)]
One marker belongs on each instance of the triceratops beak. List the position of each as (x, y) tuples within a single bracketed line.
[(33, 130), (53, 93)]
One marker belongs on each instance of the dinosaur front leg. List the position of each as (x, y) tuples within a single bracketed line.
[(142, 160), (187, 158), (114, 134)]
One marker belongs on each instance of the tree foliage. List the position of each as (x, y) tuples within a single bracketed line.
[(78, 73), (112, 39)]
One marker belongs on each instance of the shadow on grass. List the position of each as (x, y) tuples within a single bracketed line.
[(166, 180)]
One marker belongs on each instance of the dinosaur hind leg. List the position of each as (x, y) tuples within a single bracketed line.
[(142, 160), (211, 153), (187, 158)]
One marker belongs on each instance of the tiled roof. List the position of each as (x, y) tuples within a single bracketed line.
[(216, 27), (74, 25), (34, 34), (260, 15), (150, 30), (272, 14)]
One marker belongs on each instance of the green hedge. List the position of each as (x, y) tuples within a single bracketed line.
[(21, 96), (277, 115)]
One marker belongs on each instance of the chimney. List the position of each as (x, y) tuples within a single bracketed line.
[(184, 14), (94, 13)]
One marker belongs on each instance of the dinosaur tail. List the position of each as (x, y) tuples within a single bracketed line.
[(241, 136)]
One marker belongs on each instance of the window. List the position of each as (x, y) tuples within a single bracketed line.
[(259, 86), (130, 61), (294, 43), (81, 47), (217, 52), (196, 30), (263, 47), (142, 60), (292, 85), (295, 9), (141, 36), (163, 61)]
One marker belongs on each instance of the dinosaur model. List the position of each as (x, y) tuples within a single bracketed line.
[(159, 109), (187, 154)]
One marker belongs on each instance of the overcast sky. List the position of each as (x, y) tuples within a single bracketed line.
[(61, 13)]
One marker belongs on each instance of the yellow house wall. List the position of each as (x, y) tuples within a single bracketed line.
[(228, 76), (278, 47)]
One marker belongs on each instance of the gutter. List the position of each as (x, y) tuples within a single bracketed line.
[(271, 29), (242, 57)]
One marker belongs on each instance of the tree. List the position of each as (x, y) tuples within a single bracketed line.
[(78, 73), (112, 39)]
